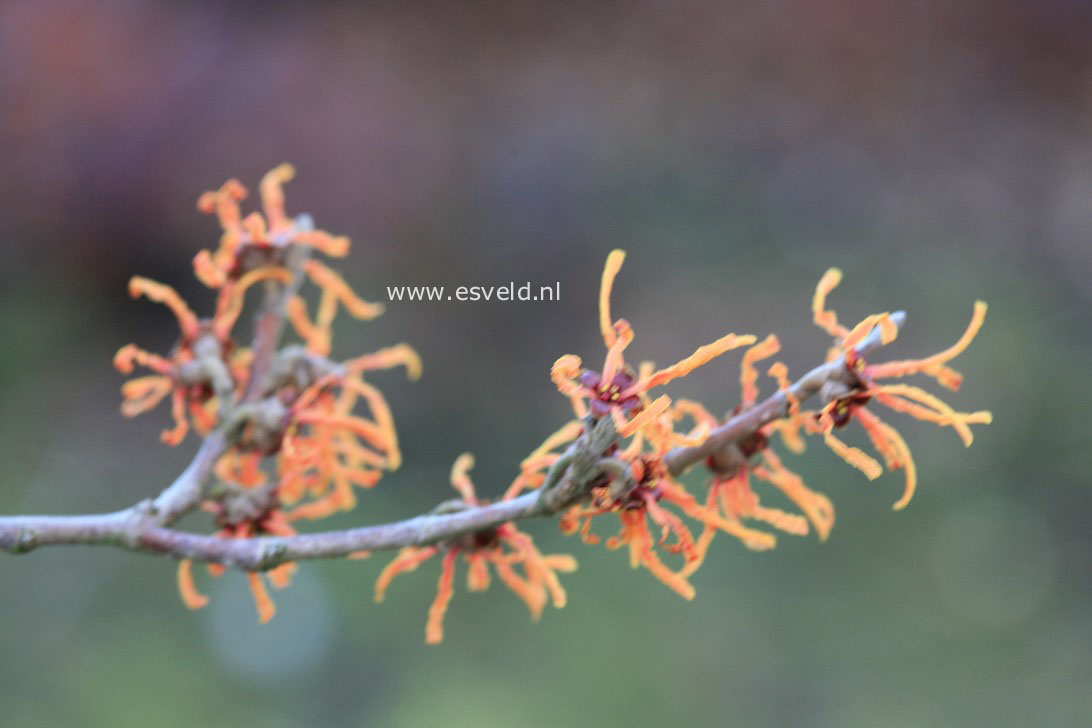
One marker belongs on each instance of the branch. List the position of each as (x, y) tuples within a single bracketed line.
[(144, 526), (270, 324), (775, 407), (23, 533), (184, 493)]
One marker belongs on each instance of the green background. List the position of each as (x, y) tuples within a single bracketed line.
[(937, 154)]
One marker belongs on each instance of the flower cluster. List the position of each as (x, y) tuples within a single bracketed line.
[(635, 480), (304, 434), (638, 485), (307, 431)]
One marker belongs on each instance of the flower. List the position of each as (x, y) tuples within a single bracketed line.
[(204, 364), (326, 449), (642, 504), (257, 240), (904, 398), (639, 512), (638, 487), (730, 499), (617, 390), (730, 489), (269, 521), (504, 547), (328, 430)]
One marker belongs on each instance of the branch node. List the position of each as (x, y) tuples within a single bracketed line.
[(26, 540), (271, 554), (582, 466)]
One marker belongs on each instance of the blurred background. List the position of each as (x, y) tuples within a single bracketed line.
[(936, 152)]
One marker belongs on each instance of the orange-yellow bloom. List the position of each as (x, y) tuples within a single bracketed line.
[(256, 240), (188, 396), (730, 499), (504, 547), (617, 390), (260, 242), (640, 512), (328, 449), (330, 430), (271, 522), (904, 398)]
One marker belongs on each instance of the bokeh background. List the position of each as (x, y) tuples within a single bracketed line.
[(937, 152)]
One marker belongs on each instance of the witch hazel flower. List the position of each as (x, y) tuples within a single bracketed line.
[(731, 501), (269, 520), (264, 240), (846, 404), (529, 574), (735, 468), (328, 448), (260, 238), (636, 484), (203, 373), (617, 390)]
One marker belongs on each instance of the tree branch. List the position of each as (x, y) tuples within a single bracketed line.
[(270, 323), (740, 427), (184, 493), (144, 527)]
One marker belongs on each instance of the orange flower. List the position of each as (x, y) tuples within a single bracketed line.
[(641, 491), (617, 390), (271, 522), (327, 449), (640, 512), (203, 366), (331, 431), (730, 499), (144, 393), (504, 547), (642, 503), (257, 240), (903, 398), (642, 488)]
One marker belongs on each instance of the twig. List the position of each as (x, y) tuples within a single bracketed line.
[(740, 427), (270, 323), (184, 493), (143, 527)]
